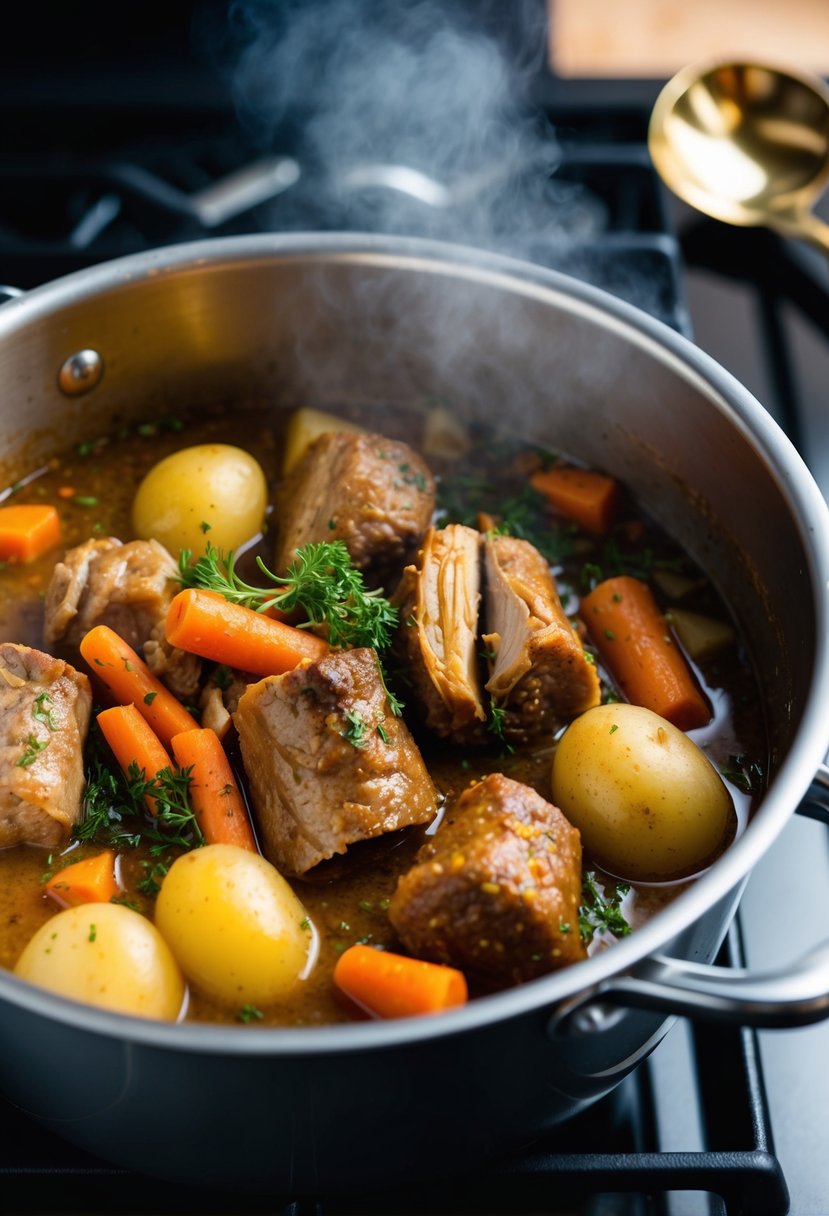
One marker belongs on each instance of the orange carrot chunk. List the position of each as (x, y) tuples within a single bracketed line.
[(27, 530), (131, 682), (636, 645), (134, 742), (205, 623), (394, 986), (214, 796), (91, 881), (584, 496)]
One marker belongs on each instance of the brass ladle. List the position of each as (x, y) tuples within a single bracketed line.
[(746, 143)]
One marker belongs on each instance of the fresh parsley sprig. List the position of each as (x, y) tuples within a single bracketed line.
[(115, 809), (322, 582), (601, 911)]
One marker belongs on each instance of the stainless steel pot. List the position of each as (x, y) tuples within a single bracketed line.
[(321, 319)]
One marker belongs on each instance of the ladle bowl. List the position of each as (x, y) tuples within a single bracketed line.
[(746, 143)]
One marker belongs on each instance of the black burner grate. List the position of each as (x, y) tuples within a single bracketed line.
[(624, 1172)]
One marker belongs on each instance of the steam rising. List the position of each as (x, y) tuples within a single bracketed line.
[(425, 85)]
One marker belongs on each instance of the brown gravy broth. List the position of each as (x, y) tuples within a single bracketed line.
[(346, 898)]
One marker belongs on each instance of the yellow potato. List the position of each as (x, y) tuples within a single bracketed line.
[(305, 426), (212, 492), (234, 924), (107, 955), (647, 801)]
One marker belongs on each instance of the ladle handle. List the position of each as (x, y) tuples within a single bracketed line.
[(806, 226)]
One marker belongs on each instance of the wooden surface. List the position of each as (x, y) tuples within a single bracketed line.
[(654, 38)]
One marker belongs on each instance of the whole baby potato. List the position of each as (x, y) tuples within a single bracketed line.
[(213, 492), (236, 927), (107, 955), (648, 803)]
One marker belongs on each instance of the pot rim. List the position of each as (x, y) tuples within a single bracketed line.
[(686, 360)]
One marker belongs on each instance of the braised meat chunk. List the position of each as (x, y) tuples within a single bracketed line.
[(327, 762), (539, 675), (44, 717), (127, 587), (439, 599), (373, 493), (496, 891)]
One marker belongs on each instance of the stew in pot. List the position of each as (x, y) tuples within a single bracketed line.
[(320, 717)]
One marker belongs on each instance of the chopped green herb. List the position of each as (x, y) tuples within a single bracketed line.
[(222, 677), (86, 500), (356, 730), (614, 728), (93, 932), (115, 812), (495, 725), (150, 697), (41, 714), (205, 526), (32, 748), (90, 446), (600, 911), (382, 732), (746, 774), (249, 1013)]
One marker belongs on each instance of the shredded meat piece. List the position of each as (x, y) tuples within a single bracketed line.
[(539, 675), (496, 890), (439, 598), (44, 716), (127, 587)]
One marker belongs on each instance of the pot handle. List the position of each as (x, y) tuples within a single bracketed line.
[(794, 995)]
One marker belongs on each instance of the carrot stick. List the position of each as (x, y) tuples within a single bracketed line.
[(131, 682), (134, 742), (584, 496), (27, 530), (394, 986), (214, 796), (636, 644), (207, 624), (86, 882)]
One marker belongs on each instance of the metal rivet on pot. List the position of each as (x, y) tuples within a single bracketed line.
[(80, 372)]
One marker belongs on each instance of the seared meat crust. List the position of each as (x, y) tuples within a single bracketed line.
[(127, 587), (373, 493), (41, 757), (539, 674), (327, 762), (496, 891), (439, 598)]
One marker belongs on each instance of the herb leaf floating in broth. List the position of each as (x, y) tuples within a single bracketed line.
[(601, 911)]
